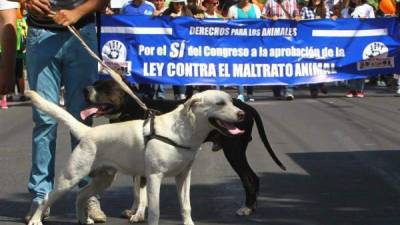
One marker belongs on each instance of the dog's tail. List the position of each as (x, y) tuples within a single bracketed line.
[(77, 128), (261, 132)]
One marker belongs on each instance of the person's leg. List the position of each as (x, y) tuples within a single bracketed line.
[(288, 92), (160, 94), (398, 85), (359, 87), (241, 93), (147, 90), (314, 89), (3, 102), (276, 90), (179, 92), (189, 90), (250, 91), (80, 71), (352, 88), (8, 38), (43, 77), (20, 81), (182, 90)]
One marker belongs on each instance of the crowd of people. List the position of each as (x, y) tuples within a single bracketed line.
[(244, 9), (56, 59)]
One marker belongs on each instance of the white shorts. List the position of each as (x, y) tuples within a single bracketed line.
[(4, 4)]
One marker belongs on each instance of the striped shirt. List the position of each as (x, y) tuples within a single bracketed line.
[(272, 8), (308, 13)]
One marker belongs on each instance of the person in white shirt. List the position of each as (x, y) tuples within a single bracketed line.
[(363, 10)]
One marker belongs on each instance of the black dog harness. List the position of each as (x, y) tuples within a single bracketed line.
[(153, 135)]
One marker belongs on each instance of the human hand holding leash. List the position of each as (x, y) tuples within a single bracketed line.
[(67, 17)]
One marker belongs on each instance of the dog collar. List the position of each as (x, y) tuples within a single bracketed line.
[(153, 134)]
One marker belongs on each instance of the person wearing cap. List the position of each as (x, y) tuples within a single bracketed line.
[(177, 8)]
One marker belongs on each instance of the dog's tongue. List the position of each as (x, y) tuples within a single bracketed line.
[(88, 112), (232, 128)]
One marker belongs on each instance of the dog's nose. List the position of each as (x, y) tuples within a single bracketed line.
[(240, 115)]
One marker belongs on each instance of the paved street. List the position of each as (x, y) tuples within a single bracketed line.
[(342, 155)]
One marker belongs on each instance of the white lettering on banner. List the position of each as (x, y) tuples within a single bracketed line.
[(314, 69), (191, 70), (177, 49), (209, 31), (145, 50), (239, 70), (282, 70), (152, 69), (226, 52), (307, 52), (279, 31), (243, 31), (181, 49)]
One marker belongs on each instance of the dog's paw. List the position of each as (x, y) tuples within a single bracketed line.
[(86, 221), (128, 213), (34, 221), (188, 222), (136, 218), (244, 211)]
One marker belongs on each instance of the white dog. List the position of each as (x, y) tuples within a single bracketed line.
[(126, 147)]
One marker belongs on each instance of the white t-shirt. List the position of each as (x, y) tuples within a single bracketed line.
[(208, 16), (8, 5), (363, 11)]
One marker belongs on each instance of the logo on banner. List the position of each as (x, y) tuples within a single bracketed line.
[(114, 55), (375, 56)]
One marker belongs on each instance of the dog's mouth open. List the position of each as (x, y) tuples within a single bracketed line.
[(227, 128), (97, 111)]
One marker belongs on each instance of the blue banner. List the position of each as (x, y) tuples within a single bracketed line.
[(192, 51)]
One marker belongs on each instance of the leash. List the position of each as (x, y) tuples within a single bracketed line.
[(153, 134), (116, 76)]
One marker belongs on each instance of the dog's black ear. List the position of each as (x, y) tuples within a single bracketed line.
[(132, 86)]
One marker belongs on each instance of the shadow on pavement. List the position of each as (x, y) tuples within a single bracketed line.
[(346, 188)]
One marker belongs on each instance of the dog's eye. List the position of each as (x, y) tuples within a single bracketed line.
[(221, 103)]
